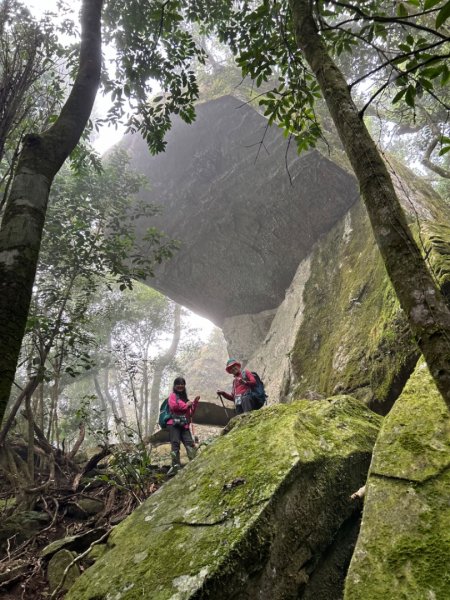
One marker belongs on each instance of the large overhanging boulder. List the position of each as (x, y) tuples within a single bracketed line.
[(244, 205), (263, 512)]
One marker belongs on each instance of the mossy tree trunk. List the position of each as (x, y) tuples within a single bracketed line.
[(41, 158), (419, 297)]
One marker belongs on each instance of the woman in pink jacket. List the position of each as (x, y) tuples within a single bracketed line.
[(243, 382), (181, 409)]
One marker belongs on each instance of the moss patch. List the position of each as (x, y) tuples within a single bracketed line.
[(436, 242), (404, 544), (278, 482), (354, 337)]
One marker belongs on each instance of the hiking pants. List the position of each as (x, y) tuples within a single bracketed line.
[(177, 435), (246, 405)]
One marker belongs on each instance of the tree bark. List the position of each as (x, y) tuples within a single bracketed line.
[(419, 297), (41, 158), (104, 409)]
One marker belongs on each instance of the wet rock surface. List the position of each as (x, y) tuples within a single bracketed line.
[(404, 546), (234, 193), (255, 515)]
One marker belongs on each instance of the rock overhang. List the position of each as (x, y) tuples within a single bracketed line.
[(244, 205)]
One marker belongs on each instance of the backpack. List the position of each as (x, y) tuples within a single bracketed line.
[(258, 392), (164, 414)]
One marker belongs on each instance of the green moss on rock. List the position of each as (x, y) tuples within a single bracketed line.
[(276, 484), (354, 337), (404, 546)]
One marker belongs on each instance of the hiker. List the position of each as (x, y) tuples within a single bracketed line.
[(181, 409), (243, 382)]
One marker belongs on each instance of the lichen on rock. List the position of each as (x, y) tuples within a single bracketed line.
[(254, 513), (403, 549)]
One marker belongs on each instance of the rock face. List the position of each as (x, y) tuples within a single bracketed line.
[(340, 328), (244, 220), (403, 549), (331, 325), (257, 514)]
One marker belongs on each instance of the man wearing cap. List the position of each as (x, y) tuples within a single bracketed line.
[(243, 382)]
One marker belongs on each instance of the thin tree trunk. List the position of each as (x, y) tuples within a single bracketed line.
[(30, 449), (21, 230), (419, 297), (29, 389), (123, 413), (117, 420), (104, 406), (146, 390), (161, 364)]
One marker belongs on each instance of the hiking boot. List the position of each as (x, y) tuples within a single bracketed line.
[(173, 470), (191, 452), (175, 456)]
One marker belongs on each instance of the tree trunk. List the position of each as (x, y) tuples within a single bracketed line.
[(41, 158), (123, 413), (419, 297), (30, 437), (161, 364), (104, 409)]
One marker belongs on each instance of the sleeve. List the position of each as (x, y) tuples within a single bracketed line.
[(177, 407), (228, 396), (250, 378), (191, 409)]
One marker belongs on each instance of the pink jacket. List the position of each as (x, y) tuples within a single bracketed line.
[(240, 386), (180, 407)]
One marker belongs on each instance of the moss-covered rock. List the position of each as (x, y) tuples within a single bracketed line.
[(252, 516), (23, 525), (403, 550), (354, 337), (56, 569)]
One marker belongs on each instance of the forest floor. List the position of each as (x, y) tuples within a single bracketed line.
[(87, 514)]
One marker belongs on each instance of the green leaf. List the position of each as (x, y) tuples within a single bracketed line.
[(410, 96), (430, 3), (444, 150), (402, 11), (399, 96), (443, 15), (445, 75)]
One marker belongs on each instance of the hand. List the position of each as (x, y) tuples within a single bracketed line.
[(196, 399), (220, 393)]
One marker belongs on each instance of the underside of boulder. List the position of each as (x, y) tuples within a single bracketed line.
[(263, 512), (244, 205)]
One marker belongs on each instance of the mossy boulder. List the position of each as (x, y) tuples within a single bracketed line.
[(340, 328), (23, 525), (254, 515), (403, 550), (56, 569), (354, 337)]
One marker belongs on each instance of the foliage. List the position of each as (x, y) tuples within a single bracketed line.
[(31, 84), (89, 245), (401, 46), (154, 51)]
